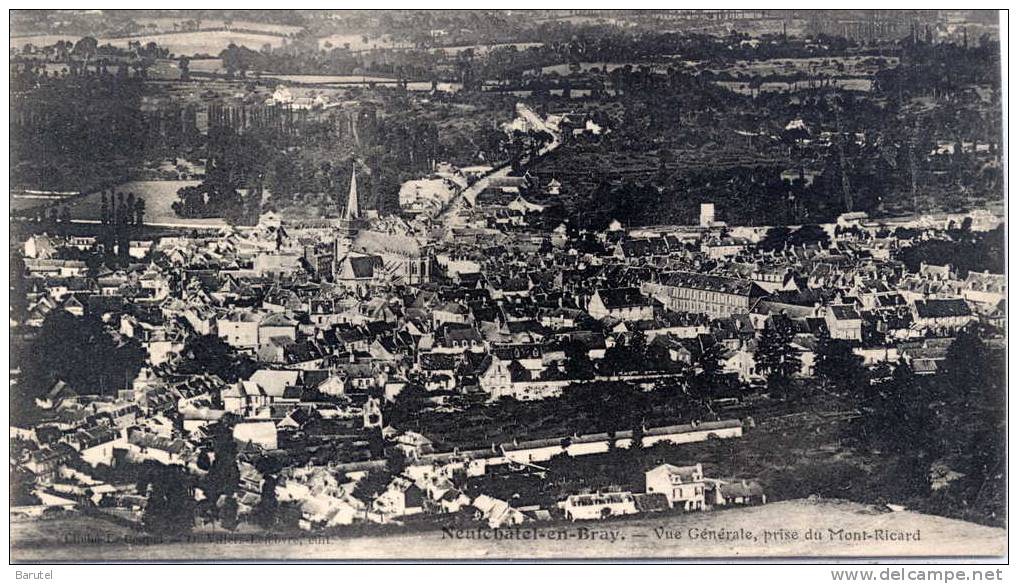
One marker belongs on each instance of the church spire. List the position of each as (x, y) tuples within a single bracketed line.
[(353, 209)]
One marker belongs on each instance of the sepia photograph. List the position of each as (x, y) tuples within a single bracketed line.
[(501, 285)]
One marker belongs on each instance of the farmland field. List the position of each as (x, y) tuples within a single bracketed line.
[(185, 43), (563, 68), (854, 84), (201, 42), (24, 203), (329, 79), (40, 40), (852, 66), (356, 42), (158, 195), (206, 65), (166, 25), (484, 49)]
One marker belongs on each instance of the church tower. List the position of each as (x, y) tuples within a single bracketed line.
[(351, 221)]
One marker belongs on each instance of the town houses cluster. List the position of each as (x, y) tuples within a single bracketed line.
[(474, 302)]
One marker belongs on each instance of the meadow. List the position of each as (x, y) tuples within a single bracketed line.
[(166, 25), (743, 87), (200, 42), (158, 196), (39, 40), (356, 42)]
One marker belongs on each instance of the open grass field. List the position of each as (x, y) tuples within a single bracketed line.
[(200, 42), (182, 43), (166, 25), (357, 42), (743, 87), (206, 65), (21, 203), (158, 195), (485, 49), (40, 40), (329, 79), (855, 66), (563, 68)]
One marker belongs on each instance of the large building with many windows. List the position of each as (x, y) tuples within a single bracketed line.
[(715, 296)]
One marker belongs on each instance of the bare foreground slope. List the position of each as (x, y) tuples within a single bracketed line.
[(833, 529)]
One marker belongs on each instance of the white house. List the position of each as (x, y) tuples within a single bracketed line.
[(496, 512), (598, 505), (683, 485), (844, 322), (620, 303)]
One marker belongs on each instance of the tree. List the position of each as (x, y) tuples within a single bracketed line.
[(407, 406), (265, 511), (371, 485), (838, 366), (967, 368), (638, 435), (129, 209), (85, 47), (972, 386), (707, 366), (22, 487), (228, 514), (211, 354), (777, 358), (900, 416), (104, 209), (184, 64), (775, 239), (396, 461), (223, 477), (577, 364), (638, 342), (170, 507), (139, 212), (611, 406), (809, 234), (18, 289)]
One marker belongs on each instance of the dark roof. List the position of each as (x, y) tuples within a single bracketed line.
[(890, 300), (438, 361), (844, 312), (713, 283), (511, 352), (636, 247), (466, 333), (364, 267), (942, 308), (622, 297)]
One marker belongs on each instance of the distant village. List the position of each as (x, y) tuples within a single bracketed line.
[(463, 299)]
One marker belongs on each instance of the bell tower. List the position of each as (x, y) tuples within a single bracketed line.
[(350, 222)]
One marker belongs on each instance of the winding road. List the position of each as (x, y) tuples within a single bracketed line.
[(447, 215)]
